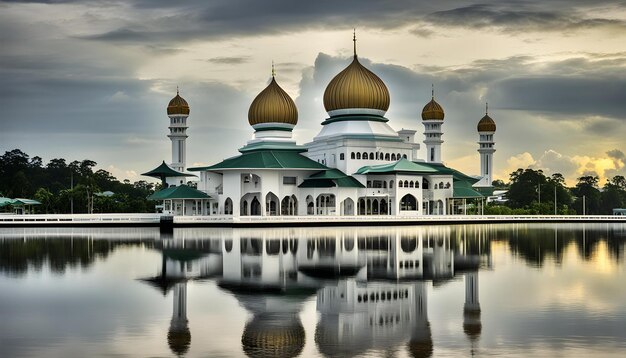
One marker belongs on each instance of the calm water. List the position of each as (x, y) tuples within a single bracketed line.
[(444, 291)]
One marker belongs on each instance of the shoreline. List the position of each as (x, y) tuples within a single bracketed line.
[(164, 221)]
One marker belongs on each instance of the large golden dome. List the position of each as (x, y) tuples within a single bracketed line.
[(273, 105), (356, 87), (432, 110), (177, 106)]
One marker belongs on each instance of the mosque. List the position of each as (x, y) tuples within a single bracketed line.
[(356, 165)]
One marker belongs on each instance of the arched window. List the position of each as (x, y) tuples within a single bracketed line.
[(342, 156), (400, 184), (417, 183), (393, 157), (398, 156), (364, 155), (404, 156), (391, 184), (411, 184), (432, 154), (352, 155), (371, 155), (387, 156), (447, 185), (358, 155), (406, 183), (384, 184)]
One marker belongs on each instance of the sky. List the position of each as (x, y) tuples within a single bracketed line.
[(91, 79)]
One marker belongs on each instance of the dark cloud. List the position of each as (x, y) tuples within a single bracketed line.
[(519, 19), (229, 60)]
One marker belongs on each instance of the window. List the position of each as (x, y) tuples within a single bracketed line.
[(432, 154), (289, 180), (400, 184), (364, 155), (411, 184), (486, 165), (358, 155), (352, 155), (404, 156), (372, 156), (387, 156), (342, 156), (393, 157)]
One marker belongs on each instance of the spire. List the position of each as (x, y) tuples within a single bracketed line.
[(354, 40), (486, 108), (273, 70), (177, 91), (433, 90)]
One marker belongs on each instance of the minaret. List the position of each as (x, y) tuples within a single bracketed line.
[(178, 111), (432, 118), (179, 336), (486, 129)]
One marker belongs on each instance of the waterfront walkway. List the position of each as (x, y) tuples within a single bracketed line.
[(251, 221)]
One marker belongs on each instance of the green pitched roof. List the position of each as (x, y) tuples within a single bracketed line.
[(164, 170), (329, 179), (17, 201), (178, 192), (266, 159), (442, 169), (401, 166), (463, 189)]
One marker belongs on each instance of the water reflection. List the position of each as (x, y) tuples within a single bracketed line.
[(370, 286)]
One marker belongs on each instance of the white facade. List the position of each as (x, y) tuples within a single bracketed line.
[(486, 150), (178, 136)]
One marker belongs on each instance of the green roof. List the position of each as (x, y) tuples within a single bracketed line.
[(178, 192), (164, 171), (329, 179), (463, 189), (18, 202), (485, 190), (401, 166), (443, 170), (266, 159)]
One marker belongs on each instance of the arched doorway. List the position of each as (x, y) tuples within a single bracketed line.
[(271, 204), (255, 207), (408, 203), (244, 208), (325, 204), (310, 205), (289, 205), (347, 207), (228, 207)]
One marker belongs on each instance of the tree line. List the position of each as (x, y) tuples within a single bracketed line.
[(531, 192), (63, 187)]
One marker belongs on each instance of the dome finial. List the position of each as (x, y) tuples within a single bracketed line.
[(486, 107), (433, 90), (177, 91), (354, 40), (273, 70)]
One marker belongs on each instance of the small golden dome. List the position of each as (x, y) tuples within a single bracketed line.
[(486, 124), (273, 105), (178, 105), (432, 110), (356, 87)]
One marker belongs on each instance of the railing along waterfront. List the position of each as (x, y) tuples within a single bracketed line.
[(70, 219)]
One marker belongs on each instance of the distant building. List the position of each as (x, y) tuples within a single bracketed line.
[(619, 212)]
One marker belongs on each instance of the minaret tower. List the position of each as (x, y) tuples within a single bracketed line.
[(178, 111), (432, 118), (486, 129)]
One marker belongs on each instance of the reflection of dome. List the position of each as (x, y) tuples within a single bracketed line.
[(178, 105), (486, 124), (269, 336), (273, 105), (179, 341), (330, 344), (432, 110), (356, 87)]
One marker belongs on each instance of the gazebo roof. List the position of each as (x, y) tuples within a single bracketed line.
[(265, 159), (164, 170)]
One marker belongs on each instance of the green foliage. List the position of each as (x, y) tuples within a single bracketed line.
[(534, 193), (51, 184)]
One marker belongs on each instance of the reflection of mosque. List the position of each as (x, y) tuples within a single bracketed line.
[(371, 285)]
